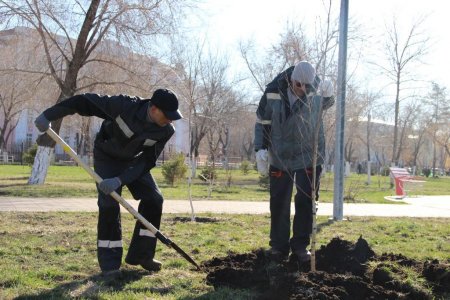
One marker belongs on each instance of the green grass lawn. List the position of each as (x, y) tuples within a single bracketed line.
[(53, 255), (72, 181)]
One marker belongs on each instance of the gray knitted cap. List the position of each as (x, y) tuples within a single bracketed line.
[(304, 73)]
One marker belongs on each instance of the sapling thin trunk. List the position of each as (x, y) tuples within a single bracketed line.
[(316, 129)]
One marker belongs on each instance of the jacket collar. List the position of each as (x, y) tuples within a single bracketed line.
[(142, 112)]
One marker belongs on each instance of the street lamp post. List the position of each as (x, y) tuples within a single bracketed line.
[(338, 200)]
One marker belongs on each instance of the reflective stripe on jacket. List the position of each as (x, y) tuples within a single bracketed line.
[(125, 133), (288, 132)]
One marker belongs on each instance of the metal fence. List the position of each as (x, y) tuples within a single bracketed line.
[(14, 153)]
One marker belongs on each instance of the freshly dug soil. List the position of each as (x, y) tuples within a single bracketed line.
[(345, 270)]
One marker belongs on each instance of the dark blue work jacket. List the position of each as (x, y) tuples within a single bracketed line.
[(125, 134)]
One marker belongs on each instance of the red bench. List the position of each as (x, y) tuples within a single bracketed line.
[(404, 181)]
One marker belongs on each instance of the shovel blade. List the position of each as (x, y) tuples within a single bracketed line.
[(185, 255)]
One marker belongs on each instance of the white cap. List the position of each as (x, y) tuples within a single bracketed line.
[(304, 73), (326, 88)]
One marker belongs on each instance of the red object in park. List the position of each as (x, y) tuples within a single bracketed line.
[(402, 176)]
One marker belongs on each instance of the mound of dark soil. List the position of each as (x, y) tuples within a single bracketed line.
[(343, 272)]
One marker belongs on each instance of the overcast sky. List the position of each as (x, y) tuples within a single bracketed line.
[(232, 20)]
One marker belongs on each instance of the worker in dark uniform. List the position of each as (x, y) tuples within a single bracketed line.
[(131, 138)]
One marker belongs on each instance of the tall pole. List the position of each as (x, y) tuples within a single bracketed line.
[(191, 164), (338, 200)]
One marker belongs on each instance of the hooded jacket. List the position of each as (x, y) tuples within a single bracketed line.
[(290, 133)]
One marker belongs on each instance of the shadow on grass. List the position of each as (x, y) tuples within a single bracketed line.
[(227, 293), (12, 184), (16, 178), (324, 224), (91, 286)]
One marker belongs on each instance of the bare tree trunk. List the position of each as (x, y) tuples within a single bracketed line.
[(400, 138), (400, 56), (40, 165), (369, 117), (434, 154), (42, 158), (225, 146), (397, 111), (68, 87), (248, 146), (85, 140), (447, 149)]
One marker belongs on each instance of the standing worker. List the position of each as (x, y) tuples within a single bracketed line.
[(131, 138), (288, 116)]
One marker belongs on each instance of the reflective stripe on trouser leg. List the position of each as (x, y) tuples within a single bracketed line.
[(280, 209), (109, 238), (302, 225), (143, 242), (109, 230)]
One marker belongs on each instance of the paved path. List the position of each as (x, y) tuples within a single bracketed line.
[(429, 206)]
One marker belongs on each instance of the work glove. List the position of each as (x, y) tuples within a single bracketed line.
[(42, 123), (107, 186), (262, 162), (326, 89)]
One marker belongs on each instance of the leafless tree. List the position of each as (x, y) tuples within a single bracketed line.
[(443, 138), (17, 89), (227, 123), (128, 22), (242, 135), (356, 108), (417, 134), (261, 70), (369, 99), (221, 103), (13, 99), (440, 111), (406, 120), (444, 141), (204, 85), (187, 65), (402, 53), (263, 66)]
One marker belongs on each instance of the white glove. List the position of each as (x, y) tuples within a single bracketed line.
[(326, 89), (262, 162)]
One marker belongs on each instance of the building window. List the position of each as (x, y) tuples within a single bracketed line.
[(28, 140)]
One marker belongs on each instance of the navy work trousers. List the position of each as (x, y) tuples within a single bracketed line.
[(281, 186), (109, 230)]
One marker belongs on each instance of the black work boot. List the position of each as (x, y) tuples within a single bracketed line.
[(108, 275), (151, 265), (275, 255), (302, 255)]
